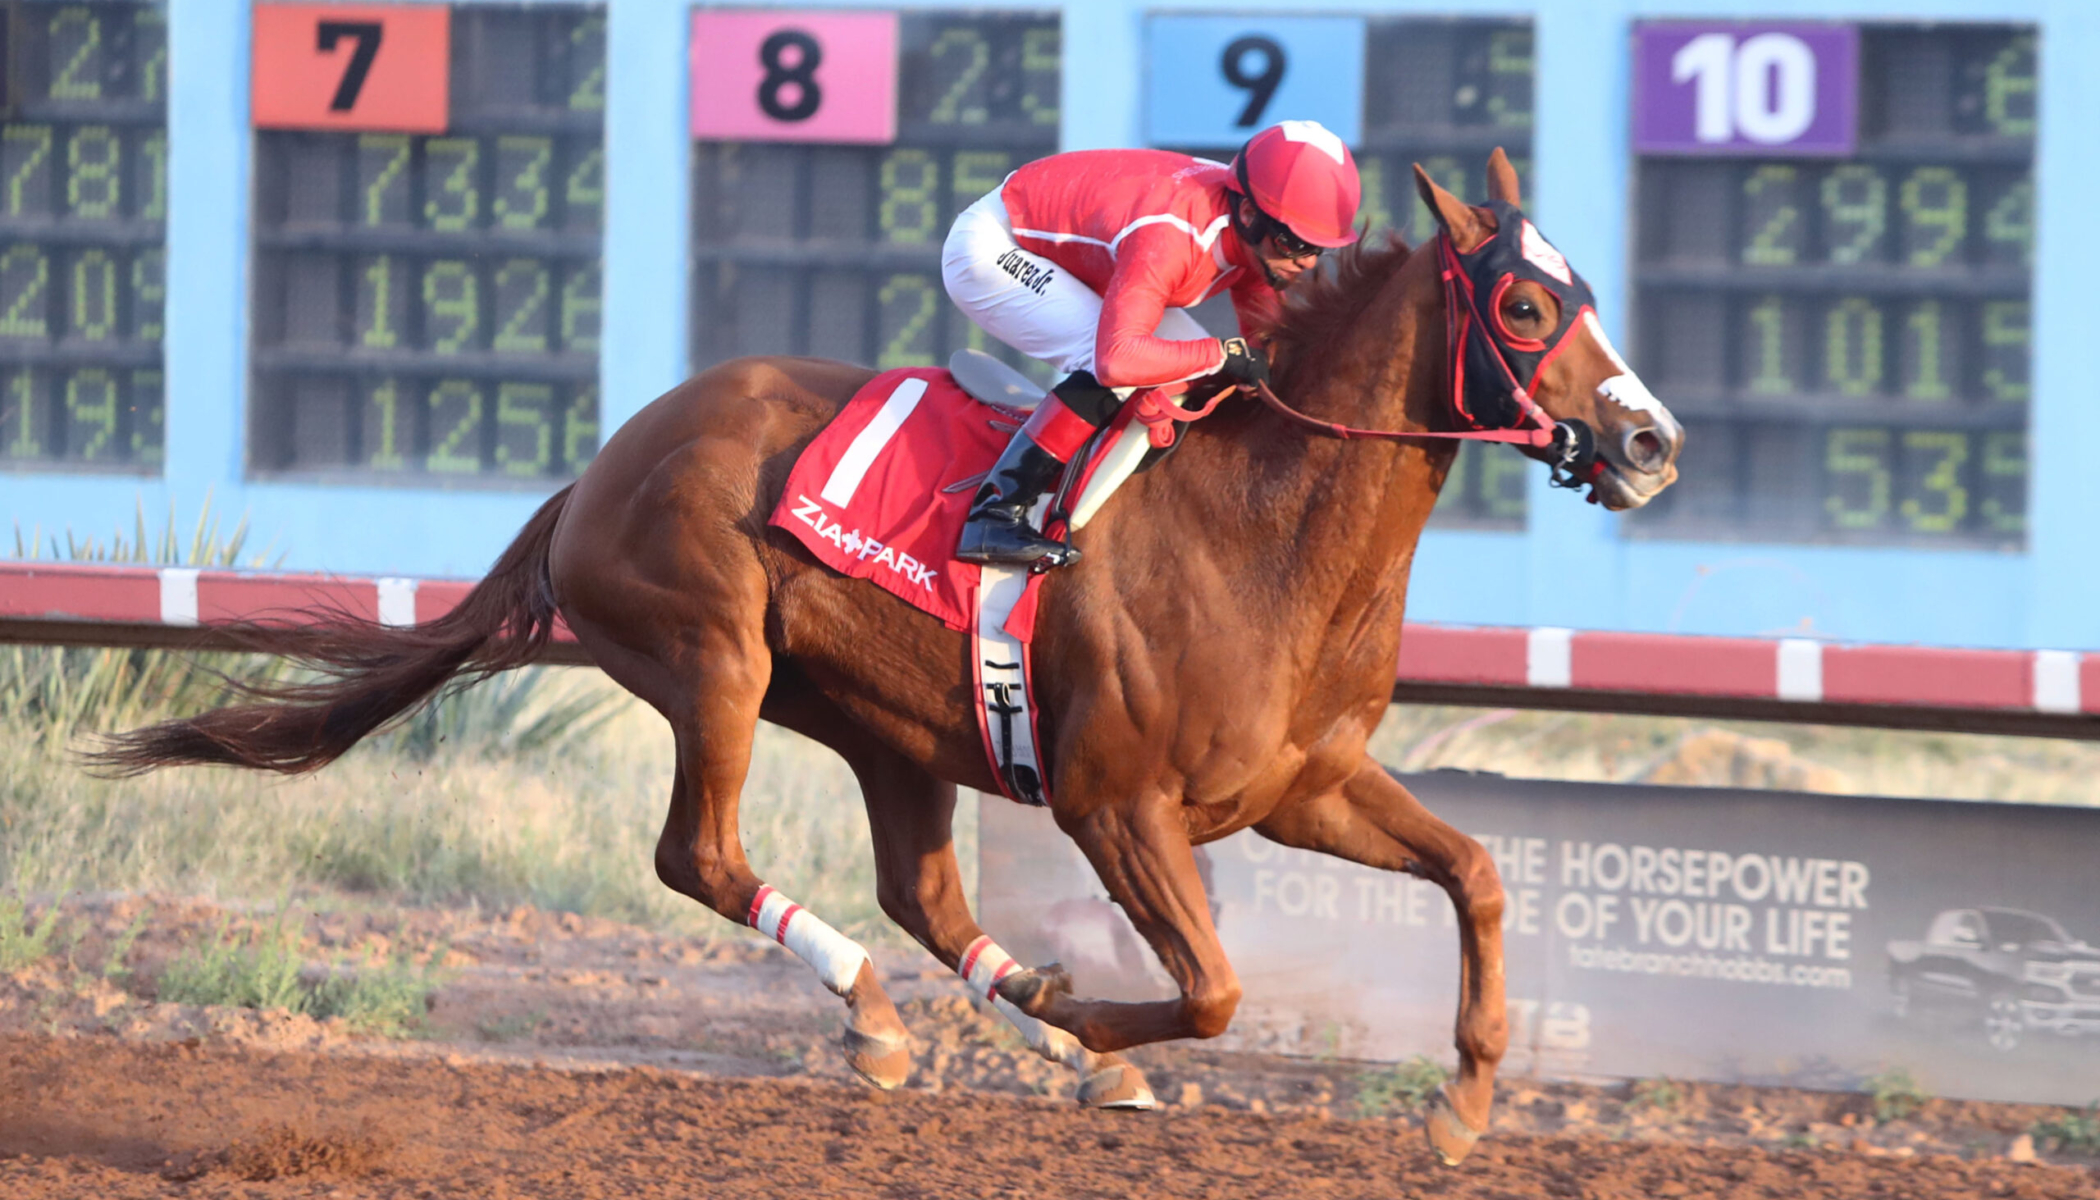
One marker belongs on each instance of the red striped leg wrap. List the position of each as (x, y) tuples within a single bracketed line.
[(984, 964), (1057, 429), (836, 957)]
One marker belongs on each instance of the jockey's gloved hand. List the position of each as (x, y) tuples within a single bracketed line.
[(1248, 364)]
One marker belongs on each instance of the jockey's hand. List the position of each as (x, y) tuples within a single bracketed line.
[(1247, 364)]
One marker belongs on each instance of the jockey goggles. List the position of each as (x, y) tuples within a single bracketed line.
[(1266, 226), (1494, 372)]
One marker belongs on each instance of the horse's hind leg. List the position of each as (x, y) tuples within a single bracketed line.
[(920, 888), (1375, 821), (711, 690)]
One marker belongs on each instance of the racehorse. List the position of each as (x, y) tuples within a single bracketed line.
[(1215, 663)]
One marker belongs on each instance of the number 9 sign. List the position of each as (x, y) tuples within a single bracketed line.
[(780, 75), (1214, 81), (1763, 88)]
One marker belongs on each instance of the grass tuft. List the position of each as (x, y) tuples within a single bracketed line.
[(265, 971), (1404, 1087), (2077, 1130), (1895, 1094), (21, 943), (1657, 1095)]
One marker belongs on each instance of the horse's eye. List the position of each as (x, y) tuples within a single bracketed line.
[(1524, 310)]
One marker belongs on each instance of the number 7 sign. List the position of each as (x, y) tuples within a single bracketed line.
[(359, 66)]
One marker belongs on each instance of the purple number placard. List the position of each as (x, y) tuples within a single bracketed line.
[(1750, 87), (788, 75)]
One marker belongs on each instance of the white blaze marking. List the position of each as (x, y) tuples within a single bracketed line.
[(1540, 253), (1624, 389), (1316, 135), (869, 442)]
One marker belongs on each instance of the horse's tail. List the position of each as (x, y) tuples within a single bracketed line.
[(371, 673)]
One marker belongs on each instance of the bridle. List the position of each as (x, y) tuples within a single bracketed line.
[(1494, 389)]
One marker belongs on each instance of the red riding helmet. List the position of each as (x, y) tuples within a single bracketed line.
[(1302, 175)]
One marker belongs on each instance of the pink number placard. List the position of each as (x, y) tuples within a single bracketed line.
[(782, 75)]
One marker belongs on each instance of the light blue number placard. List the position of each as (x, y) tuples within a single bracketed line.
[(1214, 81)]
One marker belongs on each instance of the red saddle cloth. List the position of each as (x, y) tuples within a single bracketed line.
[(881, 494)]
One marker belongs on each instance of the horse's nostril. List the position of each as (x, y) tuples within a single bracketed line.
[(1647, 450)]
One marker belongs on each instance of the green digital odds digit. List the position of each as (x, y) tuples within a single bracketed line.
[(375, 303), (580, 306), (94, 158), (525, 407), (1852, 347), (1927, 368), (1855, 212), (27, 148), (963, 102), (387, 456), (585, 189), (1862, 455), (1943, 481), (21, 394), (155, 148), (451, 293), (464, 203), (1774, 218), (458, 452), (386, 196), (25, 274), (2010, 224), (1501, 482), (911, 181), (579, 429), (147, 443), (2009, 89), (2005, 474), (587, 43), (525, 330), (973, 173), (80, 77), (2005, 346), (1041, 70), (1768, 375), (153, 74), (1935, 202), (94, 296), (525, 200), (1509, 78), (910, 345), (91, 403)]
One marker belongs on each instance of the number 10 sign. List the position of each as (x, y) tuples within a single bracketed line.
[(1788, 88)]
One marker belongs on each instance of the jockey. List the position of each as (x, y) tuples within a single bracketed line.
[(1088, 261)]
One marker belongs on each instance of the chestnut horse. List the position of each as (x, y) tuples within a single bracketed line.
[(1216, 663)]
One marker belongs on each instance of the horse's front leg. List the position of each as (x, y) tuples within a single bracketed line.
[(1141, 851), (1374, 821)]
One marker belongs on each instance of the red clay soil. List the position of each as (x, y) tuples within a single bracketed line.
[(83, 1117)]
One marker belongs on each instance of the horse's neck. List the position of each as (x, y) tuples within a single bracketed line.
[(1339, 517)]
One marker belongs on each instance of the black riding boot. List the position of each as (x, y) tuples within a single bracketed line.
[(998, 530)]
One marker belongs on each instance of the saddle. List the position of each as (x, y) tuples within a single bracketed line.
[(881, 494)]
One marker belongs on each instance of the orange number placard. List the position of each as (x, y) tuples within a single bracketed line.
[(358, 66)]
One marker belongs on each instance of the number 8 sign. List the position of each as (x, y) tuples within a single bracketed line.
[(780, 75)]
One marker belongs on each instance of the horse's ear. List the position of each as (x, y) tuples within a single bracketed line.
[(1502, 180), (1462, 222)]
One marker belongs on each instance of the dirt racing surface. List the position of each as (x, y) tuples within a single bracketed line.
[(568, 1057)]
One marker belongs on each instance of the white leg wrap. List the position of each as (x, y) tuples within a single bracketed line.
[(984, 964), (836, 957)]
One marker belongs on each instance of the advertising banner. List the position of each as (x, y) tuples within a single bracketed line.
[(1698, 933)]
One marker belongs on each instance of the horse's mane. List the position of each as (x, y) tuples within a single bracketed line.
[(1318, 312)]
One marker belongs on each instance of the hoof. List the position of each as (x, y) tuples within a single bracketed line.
[(1117, 1086), (1449, 1135), (884, 1062)]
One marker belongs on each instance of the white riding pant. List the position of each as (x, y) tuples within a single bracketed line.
[(1024, 299)]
